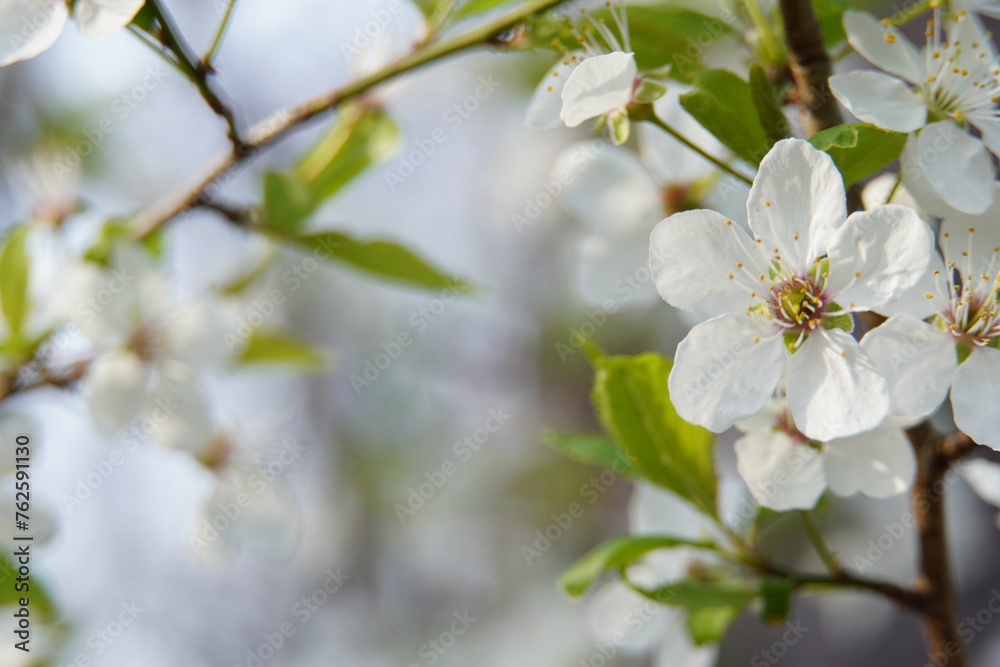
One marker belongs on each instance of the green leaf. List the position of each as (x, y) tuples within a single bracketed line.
[(724, 104), (709, 625), (777, 597), (616, 554), (772, 118), (279, 348), (287, 201), (40, 604), (14, 263), (436, 12), (830, 14), (697, 594), (633, 404), (361, 137), (384, 259), (473, 7), (593, 450), (859, 149)]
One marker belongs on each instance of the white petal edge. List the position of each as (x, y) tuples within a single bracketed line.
[(31, 27), (597, 86), (975, 394), (880, 99), (782, 474)]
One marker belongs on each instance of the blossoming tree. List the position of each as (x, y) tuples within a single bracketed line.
[(841, 279)]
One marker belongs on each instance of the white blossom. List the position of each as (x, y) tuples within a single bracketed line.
[(932, 95), (30, 27), (786, 470), (958, 350), (780, 299)]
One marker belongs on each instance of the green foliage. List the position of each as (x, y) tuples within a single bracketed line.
[(772, 118), (472, 7), (709, 624), (14, 265), (726, 106), (859, 149), (633, 404), (593, 449), (281, 348), (41, 604), (436, 12), (383, 259), (776, 595), (830, 14), (361, 137), (617, 554)]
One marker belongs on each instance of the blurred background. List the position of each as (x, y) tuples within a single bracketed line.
[(414, 504)]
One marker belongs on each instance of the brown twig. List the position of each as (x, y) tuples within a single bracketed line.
[(935, 454), (811, 67)]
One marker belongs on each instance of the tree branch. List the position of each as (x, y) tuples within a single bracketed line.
[(935, 455), (811, 67), (283, 122)]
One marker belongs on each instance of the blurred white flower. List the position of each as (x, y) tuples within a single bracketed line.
[(785, 470), (620, 197), (958, 82), (151, 350), (780, 297), (32, 26), (984, 478)]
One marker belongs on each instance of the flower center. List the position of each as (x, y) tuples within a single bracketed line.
[(963, 79), (798, 303)]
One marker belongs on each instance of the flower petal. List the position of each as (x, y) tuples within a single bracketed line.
[(178, 416), (598, 85), (944, 165), (984, 478), (895, 55), (100, 18), (607, 188), (975, 394), (797, 202), (781, 474), (613, 270), (972, 241), (546, 102), (877, 464), (31, 27), (721, 375), (707, 264), (917, 359), (880, 99), (676, 647), (116, 389), (878, 255), (611, 614), (834, 388)]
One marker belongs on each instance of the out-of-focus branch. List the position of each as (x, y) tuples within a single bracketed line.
[(284, 122), (935, 454), (811, 67)]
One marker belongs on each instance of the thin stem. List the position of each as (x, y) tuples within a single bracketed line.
[(819, 544), (895, 186), (656, 120), (155, 46), (194, 69), (219, 33), (283, 122)]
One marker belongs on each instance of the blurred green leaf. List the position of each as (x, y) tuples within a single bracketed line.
[(724, 104), (859, 149), (633, 404), (772, 118), (473, 7), (709, 624), (830, 14), (361, 137), (281, 348), (384, 259), (14, 264), (616, 554), (594, 450), (777, 597), (696, 594), (40, 604), (436, 12)]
